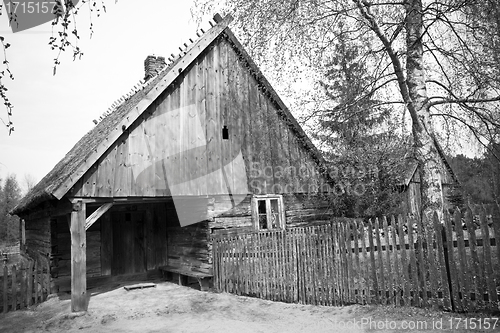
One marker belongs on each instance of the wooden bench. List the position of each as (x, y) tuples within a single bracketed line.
[(183, 274)]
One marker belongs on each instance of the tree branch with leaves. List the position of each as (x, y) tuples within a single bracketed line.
[(64, 38)]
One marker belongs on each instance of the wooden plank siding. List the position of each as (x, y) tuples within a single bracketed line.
[(38, 237), (176, 147)]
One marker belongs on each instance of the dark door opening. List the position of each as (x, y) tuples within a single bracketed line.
[(128, 243)]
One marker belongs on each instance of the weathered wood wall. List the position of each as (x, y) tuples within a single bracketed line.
[(300, 209), (38, 237), (177, 147), (61, 248), (190, 248)]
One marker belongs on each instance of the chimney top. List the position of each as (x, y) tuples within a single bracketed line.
[(153, 65), (217, 18)]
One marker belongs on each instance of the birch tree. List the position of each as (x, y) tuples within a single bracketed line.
[(435, 62)]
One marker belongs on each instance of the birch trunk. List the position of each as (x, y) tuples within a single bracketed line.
[(426, 153)]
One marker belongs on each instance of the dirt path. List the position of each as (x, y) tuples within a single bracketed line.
[(171, 308)]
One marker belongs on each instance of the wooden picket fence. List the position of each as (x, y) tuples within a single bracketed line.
[(24, 285), (389, 261)]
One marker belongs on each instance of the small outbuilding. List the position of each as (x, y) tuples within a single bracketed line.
[(410, 187), (204, 144)]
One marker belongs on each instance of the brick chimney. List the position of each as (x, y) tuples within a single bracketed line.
[(153, 65)]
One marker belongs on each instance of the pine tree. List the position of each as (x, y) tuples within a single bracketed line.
[(359, 135), (10, 194)]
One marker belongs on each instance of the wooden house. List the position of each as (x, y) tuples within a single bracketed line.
[(410, 187), (204, 144)]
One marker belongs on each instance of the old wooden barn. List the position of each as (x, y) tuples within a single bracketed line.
[(204, 144)]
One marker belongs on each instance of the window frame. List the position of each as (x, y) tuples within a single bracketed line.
[(281, 211)]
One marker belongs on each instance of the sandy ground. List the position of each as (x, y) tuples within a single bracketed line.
[(172, 308)]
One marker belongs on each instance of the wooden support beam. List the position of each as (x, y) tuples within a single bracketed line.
[(97, 214), (121, 200), (79, 300)]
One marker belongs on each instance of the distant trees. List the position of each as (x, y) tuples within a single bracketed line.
[(479, 177), (473, 174), (493, 160), (10, 194)]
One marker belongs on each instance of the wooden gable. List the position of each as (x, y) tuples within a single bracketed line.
[(215, 127)]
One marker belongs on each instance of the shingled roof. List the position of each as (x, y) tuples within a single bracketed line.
[(95, 143)]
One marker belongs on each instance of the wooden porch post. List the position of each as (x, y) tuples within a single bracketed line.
[(79, 301)]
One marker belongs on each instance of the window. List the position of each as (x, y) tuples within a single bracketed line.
[(268, 212)]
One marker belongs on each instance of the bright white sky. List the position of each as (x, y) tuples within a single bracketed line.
[(53, 112)]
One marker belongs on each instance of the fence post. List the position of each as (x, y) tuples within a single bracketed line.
[(35, 281), (413, 264), (296, 266), (365, 269), (430, 259), (14, 288), (404, 262), (495, 219), (474, 270), (215, 261), (462, 261), (490, 280), (452, 265), (47, 280), (421, 259), (380, 263), (22, 292), (397, 272), (29, 291), (442, 261), (356, 263), (372, 259), (390, 282), (5, 287)]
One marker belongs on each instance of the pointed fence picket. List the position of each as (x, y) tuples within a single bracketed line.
[(451, 263)]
